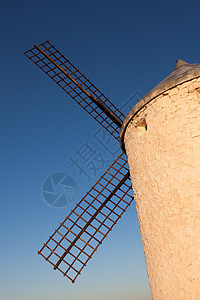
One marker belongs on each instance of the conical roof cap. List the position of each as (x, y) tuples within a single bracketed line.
[(180, 63), (183, 72)]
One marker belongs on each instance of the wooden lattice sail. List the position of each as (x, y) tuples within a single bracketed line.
[(77, 238)]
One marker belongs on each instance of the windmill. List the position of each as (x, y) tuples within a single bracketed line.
[(78, 237)]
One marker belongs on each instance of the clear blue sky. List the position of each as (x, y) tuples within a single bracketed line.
[(124, 47)]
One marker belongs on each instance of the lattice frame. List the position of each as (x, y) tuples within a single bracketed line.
[(78, 237), (113, 192), (70, 86)]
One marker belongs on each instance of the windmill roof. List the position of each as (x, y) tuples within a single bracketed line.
[(183, 72)]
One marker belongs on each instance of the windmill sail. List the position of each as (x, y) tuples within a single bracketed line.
[(71, 80), (77, 238)]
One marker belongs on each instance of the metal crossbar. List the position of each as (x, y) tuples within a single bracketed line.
[(77, 238), (72, 81)]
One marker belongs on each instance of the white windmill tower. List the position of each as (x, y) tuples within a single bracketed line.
[(161, 135)]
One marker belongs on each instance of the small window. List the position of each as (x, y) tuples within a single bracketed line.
[(142, 127)]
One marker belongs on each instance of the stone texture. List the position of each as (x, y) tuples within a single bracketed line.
[(162, 143)]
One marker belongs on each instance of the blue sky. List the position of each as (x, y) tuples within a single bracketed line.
[(125, 48)]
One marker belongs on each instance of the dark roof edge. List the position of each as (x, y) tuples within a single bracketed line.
[(180, 75)]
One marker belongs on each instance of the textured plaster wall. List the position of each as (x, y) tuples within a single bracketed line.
[(163, 147)]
